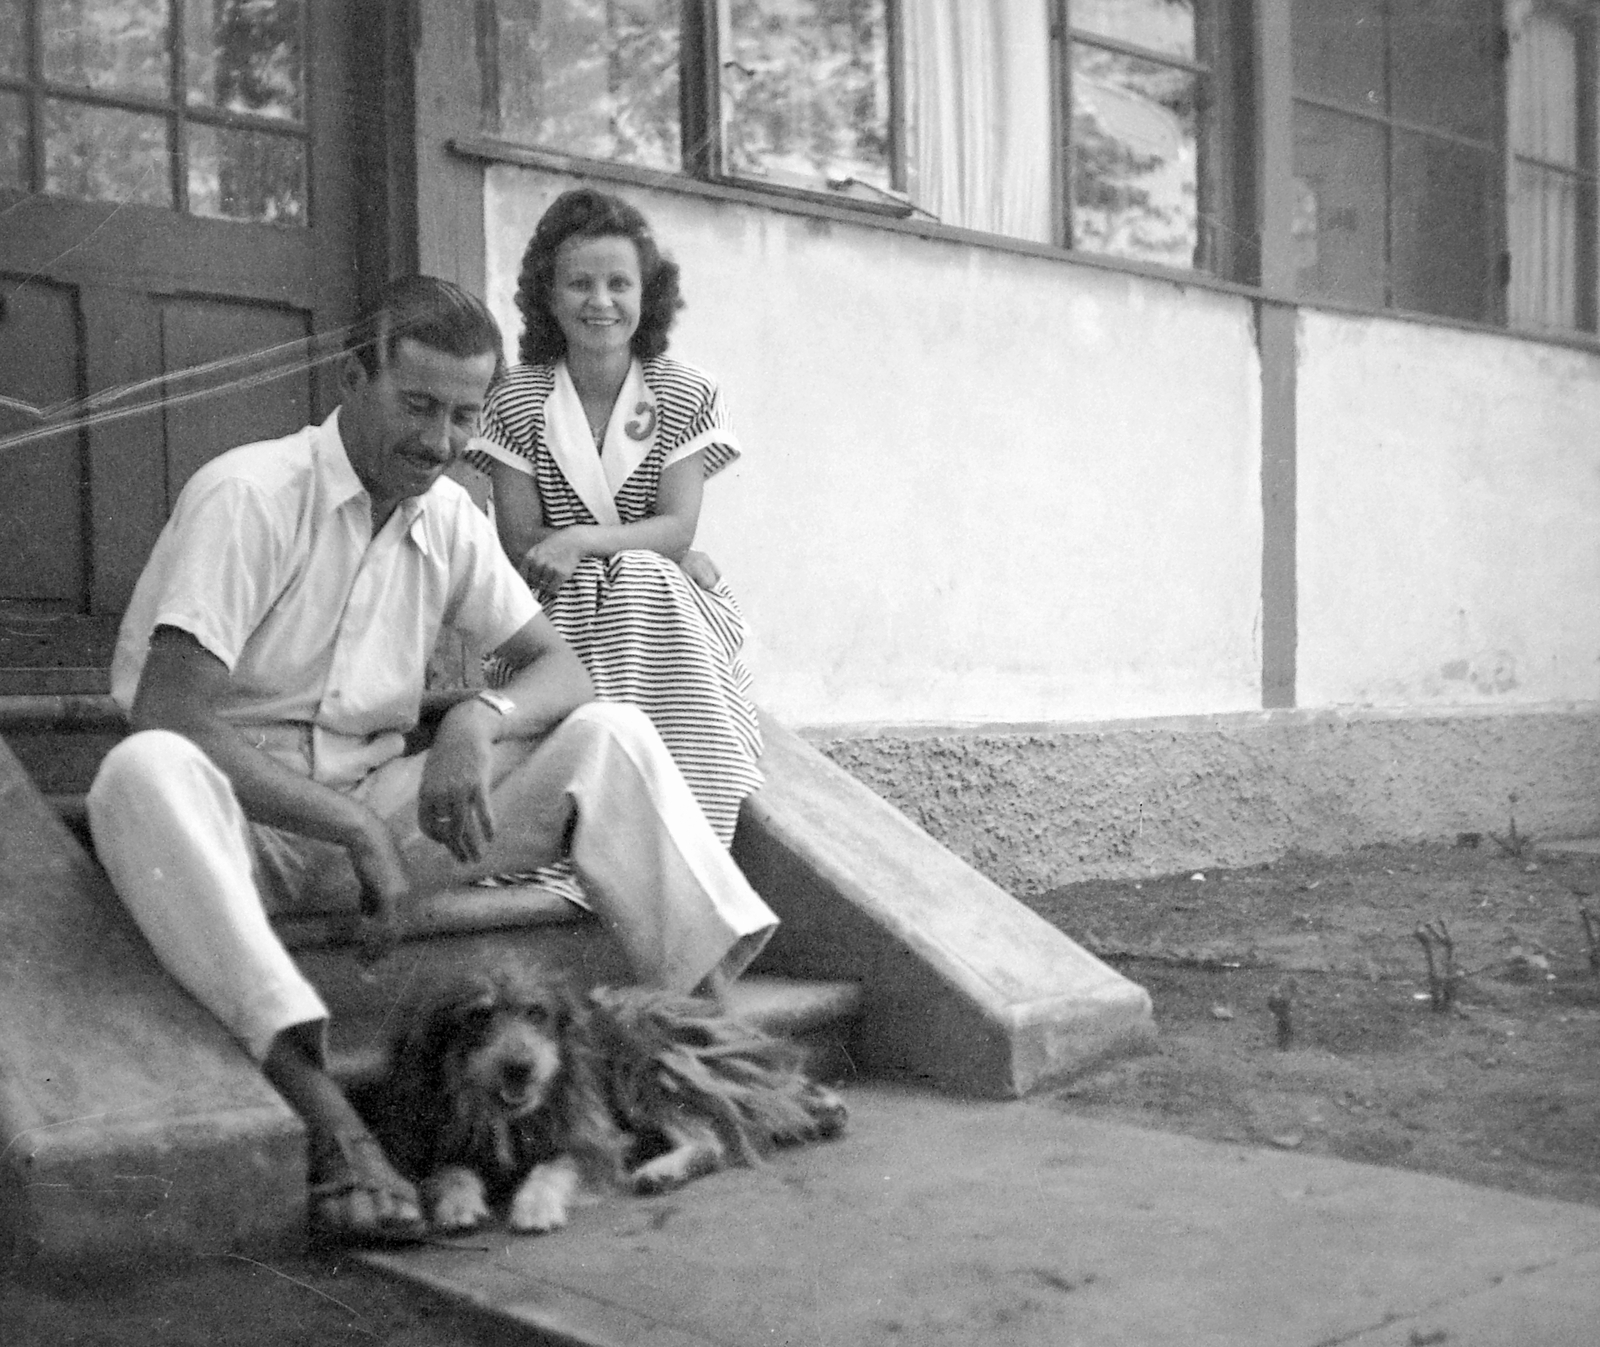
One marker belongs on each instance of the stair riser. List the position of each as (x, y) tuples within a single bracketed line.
[(62, 763)]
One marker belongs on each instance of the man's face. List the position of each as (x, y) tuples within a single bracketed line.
[(403, 426)]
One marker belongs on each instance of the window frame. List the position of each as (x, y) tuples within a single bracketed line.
[(1226, 244), (1587, 263), (1497, 259), (175, 109)]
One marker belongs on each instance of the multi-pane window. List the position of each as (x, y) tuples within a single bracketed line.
[(1145, 169), (946, 108), (1446, 153), (194, 105), (1550, 97), (801, 95), (1397, 154)]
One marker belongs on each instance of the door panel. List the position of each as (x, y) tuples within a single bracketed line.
[(205, 416), (237, 232), (41, 508)]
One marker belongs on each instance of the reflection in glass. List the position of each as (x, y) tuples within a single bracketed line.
[(597, 78), (1166, 26), (245, 56), (13, 140), (13, 31), (1443, 230), (1339, 225), (806, 88), (1338, 51), (246, 175), (118, 46), (1544, 256), (1446, 65), (1135, 180), (105, 154)]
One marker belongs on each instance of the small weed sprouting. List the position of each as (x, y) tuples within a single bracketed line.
[(1591, 937), (1514, 844), (1281, 1004), (1444, 978)]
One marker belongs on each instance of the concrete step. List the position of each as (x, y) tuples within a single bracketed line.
[(129, 1110), (819, 1016), (465, 928)]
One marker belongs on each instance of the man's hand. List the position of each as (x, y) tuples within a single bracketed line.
[(549, 564), (384, 885), (453, 800)]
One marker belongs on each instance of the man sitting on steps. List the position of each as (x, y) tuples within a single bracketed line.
[(272, 659)]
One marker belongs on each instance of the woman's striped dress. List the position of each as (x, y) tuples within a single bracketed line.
[(647, 634)]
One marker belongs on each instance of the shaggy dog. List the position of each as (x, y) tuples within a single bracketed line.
[(506, 1089)]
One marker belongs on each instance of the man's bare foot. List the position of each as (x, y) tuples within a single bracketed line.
[(357, 1196)]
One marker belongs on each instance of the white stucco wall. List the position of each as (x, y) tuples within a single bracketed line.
[(979, 486), (1449, 517)]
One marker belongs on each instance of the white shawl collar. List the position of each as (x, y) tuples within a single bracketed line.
[(630, 435)]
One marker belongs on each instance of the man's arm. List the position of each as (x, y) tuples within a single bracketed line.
[(180, 689), (550, 683)]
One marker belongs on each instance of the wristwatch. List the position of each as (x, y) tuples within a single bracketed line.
[(504, 705)]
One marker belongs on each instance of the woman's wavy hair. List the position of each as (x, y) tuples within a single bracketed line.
[(586, 213)]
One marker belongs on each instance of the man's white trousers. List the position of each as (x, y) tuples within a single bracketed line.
[(200, 879)]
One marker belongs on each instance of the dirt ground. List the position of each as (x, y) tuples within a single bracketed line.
[(1503, 1089)]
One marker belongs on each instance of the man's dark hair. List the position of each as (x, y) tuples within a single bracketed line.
[(586, 213), (430, 312)]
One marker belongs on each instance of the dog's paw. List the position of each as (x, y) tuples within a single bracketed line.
[(688, 1160), (828, 1111), (456, 1200), (542, 1202)]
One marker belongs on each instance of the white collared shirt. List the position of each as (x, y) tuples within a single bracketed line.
[(268, 561)]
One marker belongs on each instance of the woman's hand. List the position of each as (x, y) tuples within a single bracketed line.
[(549, 564), (701, 569)]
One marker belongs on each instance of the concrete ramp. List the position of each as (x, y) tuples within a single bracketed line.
[(965, 987), (130, 1121)]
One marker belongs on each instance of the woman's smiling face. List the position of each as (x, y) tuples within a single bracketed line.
[(595, 294)]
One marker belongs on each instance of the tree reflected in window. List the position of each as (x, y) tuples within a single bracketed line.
[(90, 105)]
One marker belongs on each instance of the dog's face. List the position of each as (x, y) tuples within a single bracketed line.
[(499, 1041)]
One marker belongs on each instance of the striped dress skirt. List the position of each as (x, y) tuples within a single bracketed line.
[(653, 638)]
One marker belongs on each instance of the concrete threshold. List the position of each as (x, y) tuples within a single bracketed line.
[(945, 1222)]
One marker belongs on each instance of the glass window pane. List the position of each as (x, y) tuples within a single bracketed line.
[(1443, 248), (1445, 65), (245, 56), (1544, 246), (13, 140), (1338, 51), (806, 90), (1542, 86), (106, 154), (1166, 26), (119, 46), (590, 79), (1135, 177), (13, 37), (1340, 207), (246, 175)]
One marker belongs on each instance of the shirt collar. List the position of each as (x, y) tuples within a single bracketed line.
[(341, 485)]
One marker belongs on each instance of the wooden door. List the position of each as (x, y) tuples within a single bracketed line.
[(177, 218)]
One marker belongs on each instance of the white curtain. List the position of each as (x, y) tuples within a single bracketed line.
[(978, 114), (1543, 108)]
